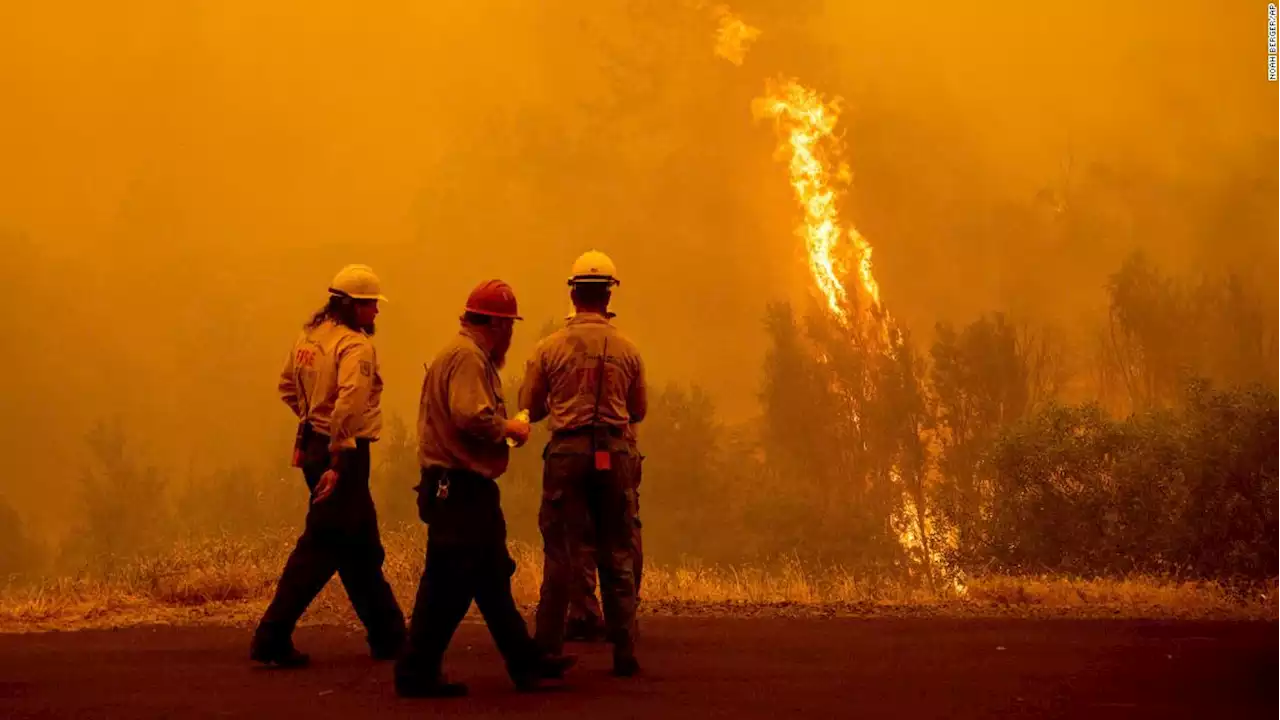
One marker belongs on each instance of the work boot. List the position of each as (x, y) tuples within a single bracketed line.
[(552, 667), (437, 687), (284, 656), (547, 667), (386, 649), (625, 664)]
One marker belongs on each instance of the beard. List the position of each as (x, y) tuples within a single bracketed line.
[(370, 329), (493, 342), (498, 355)]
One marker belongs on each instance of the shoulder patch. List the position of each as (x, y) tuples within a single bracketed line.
[(366, 368)]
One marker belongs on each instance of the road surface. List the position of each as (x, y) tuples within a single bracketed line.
[(693, 668)]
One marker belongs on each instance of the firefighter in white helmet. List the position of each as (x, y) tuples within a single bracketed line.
[(594, 266), (331, 382), (585, 622), (587, 380)]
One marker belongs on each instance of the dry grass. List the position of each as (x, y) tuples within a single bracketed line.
[(1135, 595), (229, 581)]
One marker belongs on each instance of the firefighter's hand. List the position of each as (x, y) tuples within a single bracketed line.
[(324, 488), (518, 430)]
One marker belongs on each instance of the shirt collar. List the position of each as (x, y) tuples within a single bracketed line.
[(589, 317)]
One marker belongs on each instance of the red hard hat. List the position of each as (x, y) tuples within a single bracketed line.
[(495, 298)]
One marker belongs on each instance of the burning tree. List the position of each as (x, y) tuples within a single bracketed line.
[(866, 381)]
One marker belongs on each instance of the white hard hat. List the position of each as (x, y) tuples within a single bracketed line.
[(594, 266), (357, 282)]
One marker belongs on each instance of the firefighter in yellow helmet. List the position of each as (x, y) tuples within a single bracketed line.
[(331, 382), (587, 380)]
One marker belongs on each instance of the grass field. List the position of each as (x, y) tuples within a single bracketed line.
[(229, 581)]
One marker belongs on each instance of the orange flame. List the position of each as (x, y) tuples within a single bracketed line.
[(908, 523), (806, 123)]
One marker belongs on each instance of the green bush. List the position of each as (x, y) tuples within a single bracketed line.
[(1189, 491)]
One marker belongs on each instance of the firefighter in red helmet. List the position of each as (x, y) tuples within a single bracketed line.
[(463, 431)]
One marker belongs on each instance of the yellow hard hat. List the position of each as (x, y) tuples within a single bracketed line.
[(357, 282), (594, 266)]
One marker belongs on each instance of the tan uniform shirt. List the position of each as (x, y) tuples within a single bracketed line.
[(462, 414), (332, 381), (562, 379)]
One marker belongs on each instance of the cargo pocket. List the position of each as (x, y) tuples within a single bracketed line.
[(551, 510)]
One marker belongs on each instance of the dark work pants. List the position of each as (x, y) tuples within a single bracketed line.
[(341, 535), (578, 502), (467, 560)]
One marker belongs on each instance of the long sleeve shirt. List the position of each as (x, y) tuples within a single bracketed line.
[(563, 381), (462, 413), (332, 381)]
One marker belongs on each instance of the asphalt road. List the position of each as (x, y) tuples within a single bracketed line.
[(693, 668)]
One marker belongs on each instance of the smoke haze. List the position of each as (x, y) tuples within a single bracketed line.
[(181, 179)]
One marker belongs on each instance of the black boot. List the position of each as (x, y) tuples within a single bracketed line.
[(285, 656), (625, 664), (437, 687), (547, 667), (388, 649)]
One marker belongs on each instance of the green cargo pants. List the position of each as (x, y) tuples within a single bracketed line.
[(578, 502), (584, 608)]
